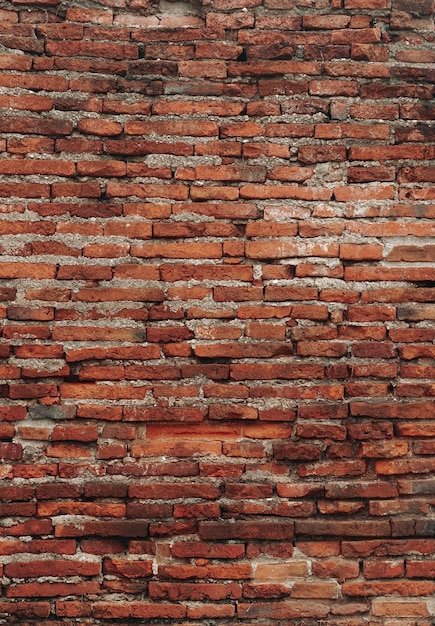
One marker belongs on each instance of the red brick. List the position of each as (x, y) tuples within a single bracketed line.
[(112, 610), (371, 70), (400, 608), (25, 590), (387, 449), (128, 569), (25, 145), (333, 88), (140, 147), (34, 569), (80, 190), (337, 568), (337, 468), (26, 103), (406, 410), (216, 611), (74, 433), (35, 126), (246, 530), (24, 190), (398, 587), (321, 154), (269, 372), (283, 610), (194, 591), (26, 609), (403, 466), (321, 22), (181, 128), (72, 608), (369, 52), (48, 83), (361, 35), (97, 168)]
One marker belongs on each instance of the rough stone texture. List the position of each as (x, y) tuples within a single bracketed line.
[(217, 293)]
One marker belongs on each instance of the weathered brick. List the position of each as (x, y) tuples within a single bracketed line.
[(246, 530)]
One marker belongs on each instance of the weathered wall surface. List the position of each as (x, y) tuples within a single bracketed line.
[(217, 291)]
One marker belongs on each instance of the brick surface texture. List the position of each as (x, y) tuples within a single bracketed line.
[(217, 296)]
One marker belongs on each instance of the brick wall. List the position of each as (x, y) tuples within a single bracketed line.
[(217, 300)]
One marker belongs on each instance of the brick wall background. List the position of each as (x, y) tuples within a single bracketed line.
[(217, 300)]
